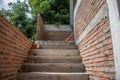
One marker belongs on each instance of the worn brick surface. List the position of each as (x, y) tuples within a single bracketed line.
[(97, 52), (96, 48), (14, 47), (87, 11)]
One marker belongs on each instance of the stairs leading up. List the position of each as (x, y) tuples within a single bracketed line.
[(57, 45), (56, 52), (57, 61), (52, 76), (54, 67)]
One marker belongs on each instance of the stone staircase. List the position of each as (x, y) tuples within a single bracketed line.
[(56, 60)]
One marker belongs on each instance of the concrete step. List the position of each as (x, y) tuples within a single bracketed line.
[(54, 67), (52, 76), (56, 59), (57, 45), (56, 52)]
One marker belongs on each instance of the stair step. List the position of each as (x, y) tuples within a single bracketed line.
[(56, 59), (54, 67), (52, 76), (57, 45), (56, 52)]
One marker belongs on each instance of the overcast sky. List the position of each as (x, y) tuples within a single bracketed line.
[(4, 3)]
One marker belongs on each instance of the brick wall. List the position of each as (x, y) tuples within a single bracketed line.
[(14, 47), (96, 47), (40, 28), (86, 12)]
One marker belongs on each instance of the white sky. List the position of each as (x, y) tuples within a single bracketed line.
[(4, 3)]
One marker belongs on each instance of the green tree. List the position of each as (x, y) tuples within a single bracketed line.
[(52, 11), (17, 14)]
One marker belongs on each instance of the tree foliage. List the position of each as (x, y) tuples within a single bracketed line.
[(52, 11), (18, 15)]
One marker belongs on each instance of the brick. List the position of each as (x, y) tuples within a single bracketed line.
[(96, 48), (14, 47)]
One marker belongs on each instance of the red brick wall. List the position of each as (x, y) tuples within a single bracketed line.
[(14, 47), (96, 48), (86, 12), (97, 52)]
